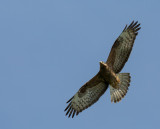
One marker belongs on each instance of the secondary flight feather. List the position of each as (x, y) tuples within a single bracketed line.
[(108, 74)]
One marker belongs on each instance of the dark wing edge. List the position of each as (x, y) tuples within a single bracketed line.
[(122, 47), (133, 26), (81, 101)]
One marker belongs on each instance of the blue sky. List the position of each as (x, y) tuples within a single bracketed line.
[(50, 48)]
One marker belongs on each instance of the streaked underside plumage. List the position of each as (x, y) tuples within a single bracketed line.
[(81, 101), (122, 47), (90, 93)]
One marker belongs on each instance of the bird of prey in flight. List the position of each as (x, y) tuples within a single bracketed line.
[(108, 75)]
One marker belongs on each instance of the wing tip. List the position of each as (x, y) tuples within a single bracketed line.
[(70, 99), (135, 26), (70, 111)]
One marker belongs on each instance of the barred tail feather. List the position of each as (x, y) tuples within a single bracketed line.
[(118, 94)]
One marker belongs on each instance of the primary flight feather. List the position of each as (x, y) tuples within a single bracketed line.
[(108, 75)]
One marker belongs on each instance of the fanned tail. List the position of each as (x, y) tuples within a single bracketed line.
[(118, 94)]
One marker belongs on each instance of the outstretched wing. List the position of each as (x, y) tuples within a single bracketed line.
[(122, 47), (87, 95)]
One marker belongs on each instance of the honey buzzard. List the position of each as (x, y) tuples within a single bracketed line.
[(108, 74)]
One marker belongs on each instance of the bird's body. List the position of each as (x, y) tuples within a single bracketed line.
[(108, 74)]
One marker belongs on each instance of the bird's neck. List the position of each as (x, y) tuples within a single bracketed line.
[(108, 74)]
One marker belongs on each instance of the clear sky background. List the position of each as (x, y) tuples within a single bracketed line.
[(50, 48)]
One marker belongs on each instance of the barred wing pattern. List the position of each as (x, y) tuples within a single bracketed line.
[(84, 99), (122, 47), (95, 88)]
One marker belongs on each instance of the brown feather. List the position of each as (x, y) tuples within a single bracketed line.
[(91, 91), (87, 95), (122, 47)]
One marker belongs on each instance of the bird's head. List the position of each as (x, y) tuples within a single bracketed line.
[(102, 65)]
